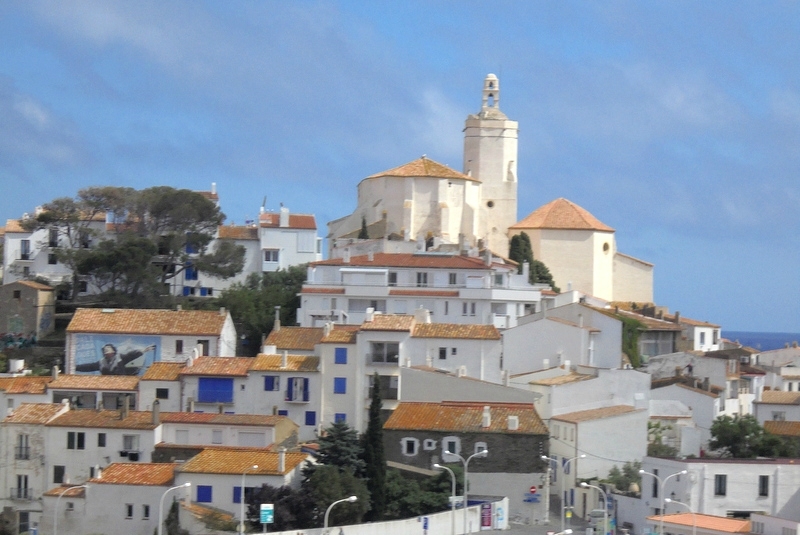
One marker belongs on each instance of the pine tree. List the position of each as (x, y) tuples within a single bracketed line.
[(363, 234), (374, 455), (521, 251)]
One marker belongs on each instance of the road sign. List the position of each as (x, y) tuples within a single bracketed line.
[(533, 489), (267, 513)]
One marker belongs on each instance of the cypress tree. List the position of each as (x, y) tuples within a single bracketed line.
[(374, 455), (363, 234)]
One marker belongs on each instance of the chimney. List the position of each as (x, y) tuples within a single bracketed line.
[(54, 373), (156, 412), (222, 311), (568, 365), (370, 256), (794, 344), (281, 460), (190, 405), (179, 308), (429, 361), (526, 270), (213, 188), (462, 371), (369, 315), (220, 409), (545, 363), (98, 471), (486, 419), (284, 359), (284, 217), (346, 255), (506, 378), (513, 422), (277, 325), (706, 384), (100, 405), (488, 257), (678, 371), (422, 315), (269, 349), (580, 320), (677, 316), (327, 329), (126, 407)]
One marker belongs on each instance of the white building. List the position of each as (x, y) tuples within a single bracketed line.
[(777, 406), (454, 288)]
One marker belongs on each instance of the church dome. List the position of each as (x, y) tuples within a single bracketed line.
[(561, 214), (423, 167)]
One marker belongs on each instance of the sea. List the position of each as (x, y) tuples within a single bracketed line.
[(762, 341)]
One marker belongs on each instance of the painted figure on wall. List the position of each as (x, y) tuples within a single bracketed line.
[(112, 363)]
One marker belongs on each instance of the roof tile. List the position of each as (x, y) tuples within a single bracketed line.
[(596, 414), (456, 330), (297, 338), (236, 366), (465, 417), (561, 214), (163, 371), (294, 363), (389, 322), (147, 321), (423, 167), (151, 474), (96, 382), (230, 461), (35, 413), (104, 419)]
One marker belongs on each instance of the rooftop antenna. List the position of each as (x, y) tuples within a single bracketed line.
[(264, 203)]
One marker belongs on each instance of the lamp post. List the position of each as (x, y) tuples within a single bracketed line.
[(350, 499), (161, 505), (452, 499), (564, 491), (241, 498), (547, 489), (694, 518), (605, 504), (663, 484), (55, 513), (482, 453)]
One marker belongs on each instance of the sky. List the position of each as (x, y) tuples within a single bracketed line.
[(677, 122)]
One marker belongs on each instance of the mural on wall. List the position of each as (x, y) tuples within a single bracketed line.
[(114, 354)]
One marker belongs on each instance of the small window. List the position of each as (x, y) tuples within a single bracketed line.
[(128, 510), (453, 351), (58, 473), (763, 486), (272, 383), (480, 446), (453, 445), (204, 493), (178, 347), (311, 418), (271, 255), (52, 259), (76, 440), (410, 446), (428, 444), (283, 412), (17, 294), (145, 512), (422, 279), (339, 385), (216, 436), (452, 279), (498, 279), (130, 442), (83, 287), (101, 440), (720, 485), (442, 353), (392, 278), (340, 418), (162, 393), (340, 355)]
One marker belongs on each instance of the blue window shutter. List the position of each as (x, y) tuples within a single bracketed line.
[(305, 389), (203, 291), (341, 355), (340, 385), (290, 390), (186, 291), (237, 494), (283, 412), (204, 493), (340, 417), (215, 390), (269, 382), (311, 418)]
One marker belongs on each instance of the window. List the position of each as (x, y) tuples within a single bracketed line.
[(178, 347), (83, 287), (53, 238), (480, 446), (145, 512), (388, 384), (340, 418), (215, 390), (17, 294), (85, 239), (25, 250), (101, 440), (22, 491), (655, 484), (76, 440), (392, 278), (340, 385), (128, 510), (216, 436), (385, 352), (162, 393), (271, 255), (311, 418), (340, 355), (702, 338), (472, 309), (446, 308), (204, 346), (190, 273), (720, 484), (451, 279), (453, 445), (468, 309), (779, 416), (204, 493), (442, 353), (763, 486), (453, 351), (52, 259), (428, 444), (422, 279), (23, 447), (409, 446), (130, 443), (498, 279), (272, 383), (58, 473), (297, 389), (283, 412), (237, 494)]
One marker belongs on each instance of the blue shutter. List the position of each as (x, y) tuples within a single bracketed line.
[(340, 355), (269, 382), (215, 390), (311, 418), (237, 494), (305, 389), (340, 385), (204, 493), (290, 389), (186, 291)]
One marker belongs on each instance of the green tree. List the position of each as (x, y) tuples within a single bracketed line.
[(406, 498), (172, 523), (655, 436), (623, 479), (363, 234), (328, 484), (121, 266), (742, 437), (340, 447), (293, 508), (521, 251), (374, 455)]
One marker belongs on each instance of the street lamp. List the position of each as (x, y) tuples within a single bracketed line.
[(161, 505), (663, 484), (694, 518), (564, 490), (241, 498), (55, 513), (452, 499), (350, 499), (547, 489), (605, 504), (482, 453)]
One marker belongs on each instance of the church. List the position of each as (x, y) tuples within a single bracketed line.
[(425, 206)]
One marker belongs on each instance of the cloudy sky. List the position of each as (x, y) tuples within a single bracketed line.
[(676, 123)]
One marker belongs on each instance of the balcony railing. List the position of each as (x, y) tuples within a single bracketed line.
[(23, 493), (22, 452)]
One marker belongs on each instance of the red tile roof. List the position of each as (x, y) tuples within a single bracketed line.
[(561, 214), (298, 338), (67, 491), (705, 522), (777, 397), (96, 382), (235, 462), (27, 384), (312, 290), (237, 232), (163, 371), (104, 419), (409, 260), (423, 167), (783, 428), (36, 285), (232, 366), (342, 334), (465, 417), (389, 322), (296, 221), (595, 414), (455, 330), (35, 413), (294, 363), (151, 474), (147, 321)]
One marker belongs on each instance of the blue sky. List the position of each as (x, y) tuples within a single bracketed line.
[(677, 123)]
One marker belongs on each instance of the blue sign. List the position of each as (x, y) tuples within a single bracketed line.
[(425, 523), (267, 513), (531, 498)]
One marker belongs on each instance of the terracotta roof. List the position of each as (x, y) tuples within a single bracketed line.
[(235, 462), (705, 522), (455, 330), (595, 414), (465, 417), (237, 232), (163, 371), (389, 322), (294, 363), (303, 338), (688, 321), (236, 366), (296, 221), (342, 334), (36, 285), (35, 413), (787, 429), (777, 397), (106, 419), (409, 260), (147, 321), (650, 323), (561, 214), (96, 382), (562, 379), (206, 513), (267, 420), (423, 167), (425, 293), (152, 474), (312, 290), (26, 384), (67, 491), (14, 225)]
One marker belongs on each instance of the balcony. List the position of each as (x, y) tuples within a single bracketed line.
[(22, 453), (24, 493)]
